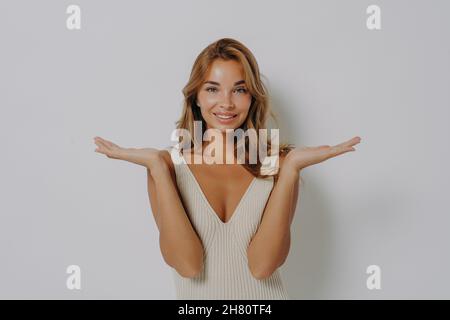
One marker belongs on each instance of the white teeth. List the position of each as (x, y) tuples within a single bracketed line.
[(224, 117)]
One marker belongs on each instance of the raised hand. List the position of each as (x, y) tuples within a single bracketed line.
[(144, 157), (302, 157)]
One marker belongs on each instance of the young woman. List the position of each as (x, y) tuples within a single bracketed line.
[(224, 228)]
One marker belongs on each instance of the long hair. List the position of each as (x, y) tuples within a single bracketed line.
[(259, 111)]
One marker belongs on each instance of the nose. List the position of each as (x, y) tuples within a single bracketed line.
[(227, 102)]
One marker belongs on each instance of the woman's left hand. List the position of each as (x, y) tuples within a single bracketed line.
[(299, 158)]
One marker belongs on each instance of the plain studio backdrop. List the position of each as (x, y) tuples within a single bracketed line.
[(120, 77)]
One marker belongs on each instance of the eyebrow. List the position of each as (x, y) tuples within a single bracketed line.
[(218, 84)]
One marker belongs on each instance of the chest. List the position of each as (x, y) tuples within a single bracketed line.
[(223, 185)]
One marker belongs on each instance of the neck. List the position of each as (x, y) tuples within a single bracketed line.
[(217, 152)]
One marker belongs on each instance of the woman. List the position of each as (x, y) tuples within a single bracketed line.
[(224, 228)]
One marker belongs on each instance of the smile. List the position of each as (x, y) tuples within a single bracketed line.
[(225, 117)]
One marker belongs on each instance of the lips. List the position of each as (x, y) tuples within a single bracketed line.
[(225, 116)]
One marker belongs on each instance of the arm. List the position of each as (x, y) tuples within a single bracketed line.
[(270, 246), (180, 245)]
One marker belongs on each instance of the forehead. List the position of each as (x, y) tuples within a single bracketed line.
[(225, 71)]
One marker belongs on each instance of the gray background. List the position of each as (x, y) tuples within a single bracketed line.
[(120, 77)]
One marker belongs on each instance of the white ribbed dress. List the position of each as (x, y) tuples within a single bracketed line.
[(225, 274)]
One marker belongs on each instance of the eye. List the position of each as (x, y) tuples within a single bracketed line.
[(241, 90), (211, 88)]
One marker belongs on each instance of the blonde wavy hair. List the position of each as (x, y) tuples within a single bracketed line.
[(260, 109)]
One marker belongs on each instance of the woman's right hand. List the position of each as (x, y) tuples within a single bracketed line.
[(145, 157)]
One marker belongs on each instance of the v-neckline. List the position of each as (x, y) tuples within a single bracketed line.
[(235, 211)]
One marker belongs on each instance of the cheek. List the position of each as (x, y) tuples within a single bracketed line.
[(244, 104), (206, 100)]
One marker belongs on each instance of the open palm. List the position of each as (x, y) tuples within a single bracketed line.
[(303, 157), (111, 150), (143, 156)]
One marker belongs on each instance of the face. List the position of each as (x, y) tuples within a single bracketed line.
[(223, 97)]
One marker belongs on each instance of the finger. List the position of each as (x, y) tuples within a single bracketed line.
[(109, 143), (353, 141), (348, 143), (110, 152), (100, 143), (113, 145), (99, 150), (99, 139), (338, 150), (102, 148)]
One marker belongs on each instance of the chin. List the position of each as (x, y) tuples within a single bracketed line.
[(223, 127)]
